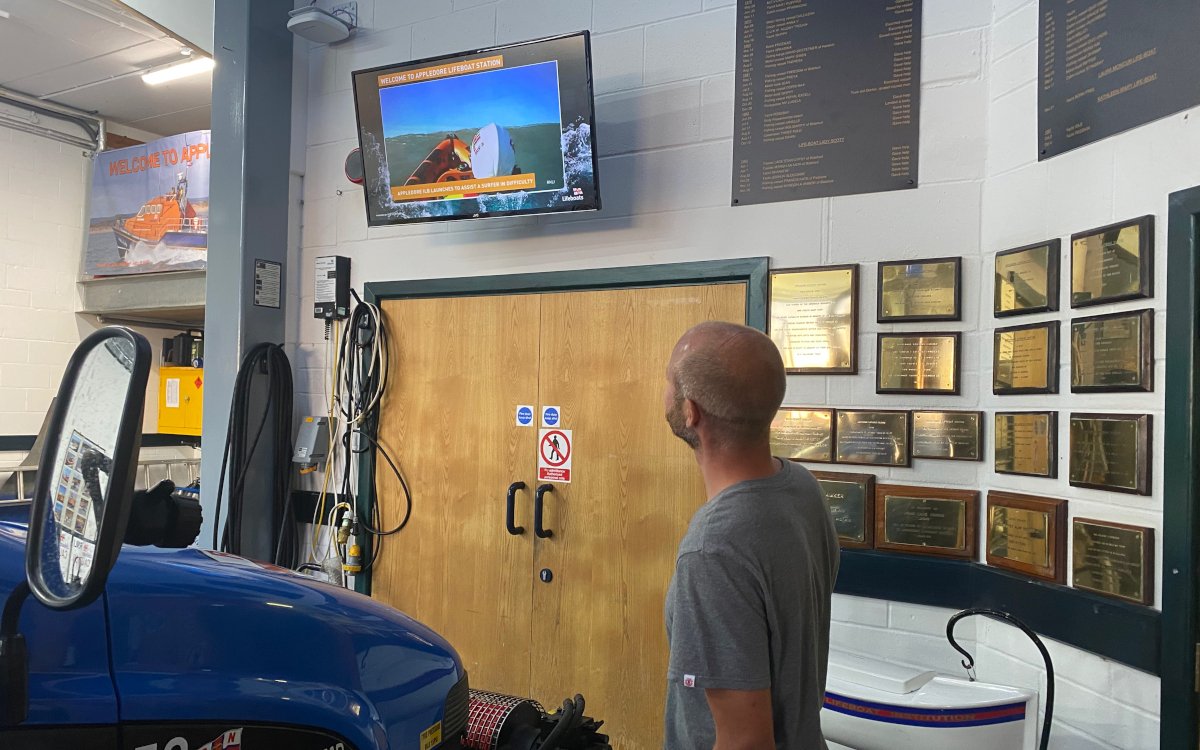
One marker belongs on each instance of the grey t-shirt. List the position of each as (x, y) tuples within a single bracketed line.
[(748, 608)]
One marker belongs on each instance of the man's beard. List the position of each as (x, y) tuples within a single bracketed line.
[(679, 426)]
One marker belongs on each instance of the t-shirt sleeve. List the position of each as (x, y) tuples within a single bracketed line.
[(719, 633)]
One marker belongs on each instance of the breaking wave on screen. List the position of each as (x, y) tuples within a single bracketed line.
[(577, 173)]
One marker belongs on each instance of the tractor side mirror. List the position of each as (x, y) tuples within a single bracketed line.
[(86, 471)]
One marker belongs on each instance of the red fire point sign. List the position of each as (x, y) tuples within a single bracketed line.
[(554, 456)]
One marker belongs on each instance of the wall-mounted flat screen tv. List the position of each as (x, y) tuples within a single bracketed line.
[(495, 132)]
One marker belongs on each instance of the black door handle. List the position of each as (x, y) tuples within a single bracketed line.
[(542, 533), (510, 521)]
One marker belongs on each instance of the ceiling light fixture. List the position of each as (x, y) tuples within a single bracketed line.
[(179, 70)]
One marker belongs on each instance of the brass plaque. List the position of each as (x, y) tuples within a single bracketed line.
[(1027, 279), (1027, 533), (1113, 352), (1019, 535), (1112, 263), (878, 438), (803, 434), (925, 520), (1113, 559), (954, 435), (920, 290), (814, 318), (1025, 359), (918, 363), (1026, 443), (851, 501), (1111, 452)]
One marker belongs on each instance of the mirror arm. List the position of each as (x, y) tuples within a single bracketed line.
[(14, 661)]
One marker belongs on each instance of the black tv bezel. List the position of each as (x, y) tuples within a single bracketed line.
[(594, 206)]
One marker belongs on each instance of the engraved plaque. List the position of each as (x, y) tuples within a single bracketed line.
[(877, 438), (1113, 559), (925, 520), (1111, 452), (1028, 534), (1026, 443), (1025, 359), (1027, 279), (803, 434), (918, 363), (814, 318), (851, 501), (952, 435), (1112, 263), (920, 290), (1113, 352)]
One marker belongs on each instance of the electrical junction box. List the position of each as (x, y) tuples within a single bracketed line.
[(180, 400), (312, 443), (332, 299)]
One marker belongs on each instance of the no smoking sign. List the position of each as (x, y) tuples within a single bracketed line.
[(554, 456)]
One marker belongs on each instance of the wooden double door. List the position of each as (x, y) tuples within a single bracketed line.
[(460, 368)]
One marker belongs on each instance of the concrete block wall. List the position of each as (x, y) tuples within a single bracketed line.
[(664, 96)]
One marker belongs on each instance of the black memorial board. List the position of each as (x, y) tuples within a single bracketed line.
[(827, 98), (1111, 65)]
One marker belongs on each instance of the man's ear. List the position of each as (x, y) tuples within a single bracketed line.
[(691, 413)]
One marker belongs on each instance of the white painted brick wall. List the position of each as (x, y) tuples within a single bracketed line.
[(42, 194), (663, 75)]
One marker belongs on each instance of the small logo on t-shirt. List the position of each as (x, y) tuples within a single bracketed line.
[(689, 680)]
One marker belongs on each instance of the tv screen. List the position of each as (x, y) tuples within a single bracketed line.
[(494, 132)]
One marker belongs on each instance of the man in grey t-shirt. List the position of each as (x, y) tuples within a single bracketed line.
[(748, 609)]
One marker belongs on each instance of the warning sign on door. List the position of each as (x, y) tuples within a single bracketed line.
[(554, 456)]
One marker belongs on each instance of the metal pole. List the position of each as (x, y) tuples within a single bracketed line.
[(248, 220)]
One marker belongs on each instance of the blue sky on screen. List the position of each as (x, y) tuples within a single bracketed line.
[(509, 97)]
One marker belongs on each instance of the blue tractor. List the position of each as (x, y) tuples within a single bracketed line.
[(187, 649)]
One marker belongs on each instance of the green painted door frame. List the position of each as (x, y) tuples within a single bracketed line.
[(1181, 476)]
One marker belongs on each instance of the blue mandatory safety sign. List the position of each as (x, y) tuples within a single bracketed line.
[(524, 416), (550, 416)]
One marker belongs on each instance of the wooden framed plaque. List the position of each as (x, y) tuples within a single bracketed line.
[(1113, 559), (926, 520), (873, 438), (1113, 352), (1025, 359), (1027, 279), (1113, 263), (1027, 443), (913, 290), (814, 319), (918, 363), (1111, 452), (851, 501), (1027, 534), (803, 434), (949, 435)]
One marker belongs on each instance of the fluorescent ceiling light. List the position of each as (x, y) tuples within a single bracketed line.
[(178, 70)]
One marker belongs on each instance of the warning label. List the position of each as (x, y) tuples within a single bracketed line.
[(554, 456)]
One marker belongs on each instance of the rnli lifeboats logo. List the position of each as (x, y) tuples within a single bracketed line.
[(230, 739)]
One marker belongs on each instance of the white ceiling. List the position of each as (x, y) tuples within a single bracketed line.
[(90, 54)]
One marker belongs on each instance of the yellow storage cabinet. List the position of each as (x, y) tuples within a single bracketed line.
[(180, 400)]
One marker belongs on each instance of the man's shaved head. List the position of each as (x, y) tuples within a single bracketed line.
[(734, 374)]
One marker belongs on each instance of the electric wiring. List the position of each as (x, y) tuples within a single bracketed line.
[(360, 376), (357, 353)]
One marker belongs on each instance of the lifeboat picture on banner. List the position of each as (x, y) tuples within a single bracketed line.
[(149, 207)]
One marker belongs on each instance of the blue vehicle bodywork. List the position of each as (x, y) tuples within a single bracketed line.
[(182, 636)]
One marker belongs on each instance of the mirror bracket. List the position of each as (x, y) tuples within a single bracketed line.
[(14, 661)]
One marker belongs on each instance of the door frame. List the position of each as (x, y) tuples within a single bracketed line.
[(753, 272), (1180, 661)]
